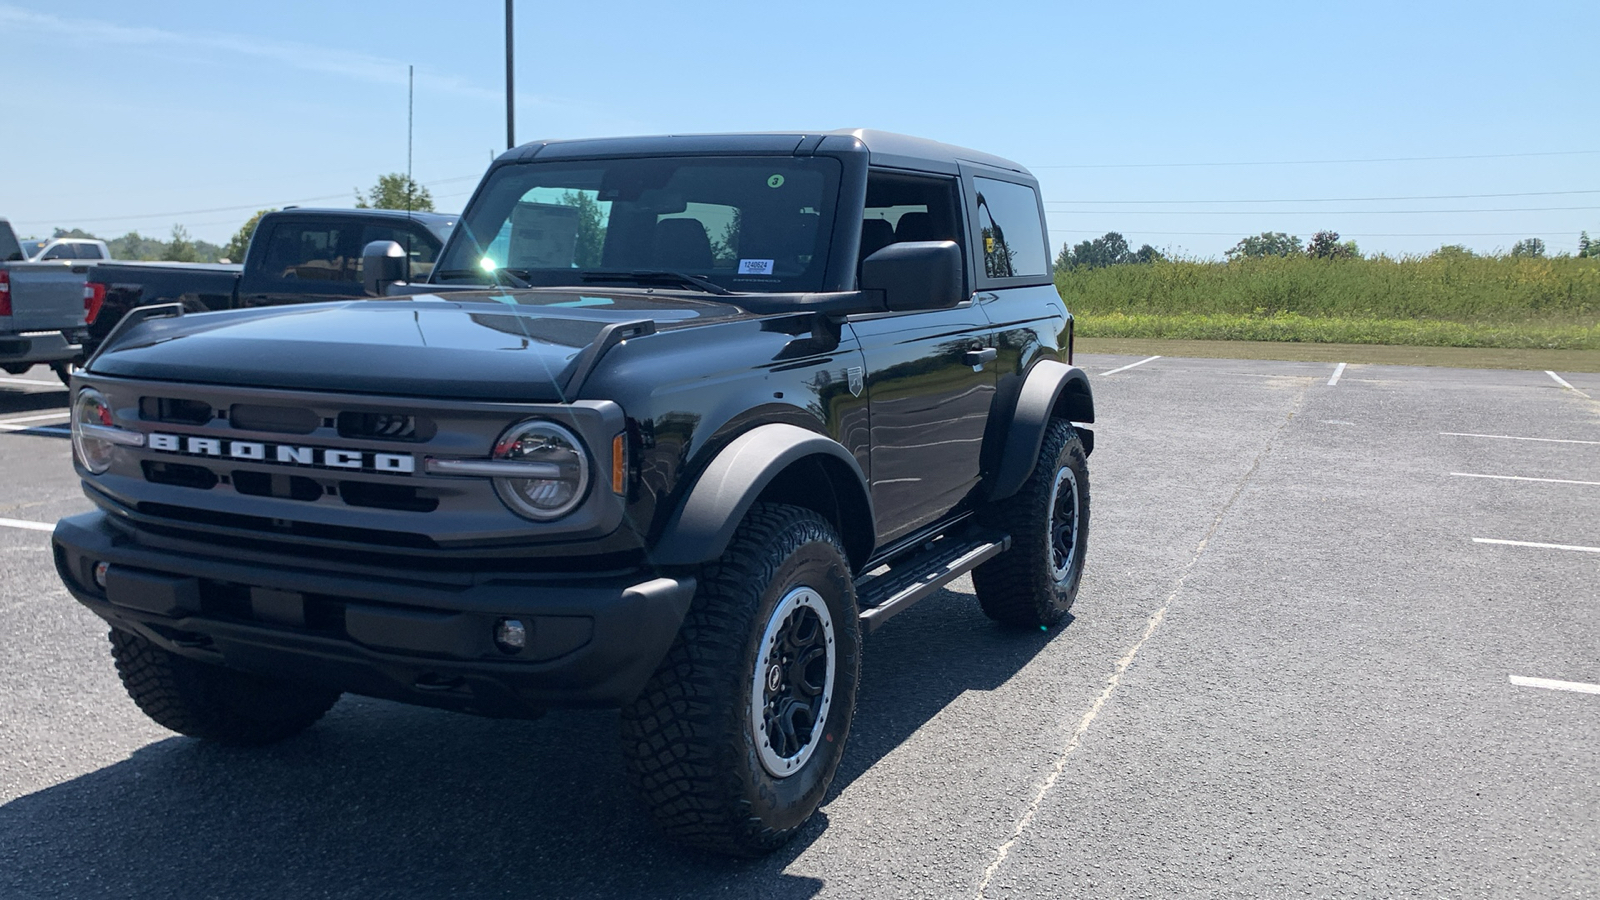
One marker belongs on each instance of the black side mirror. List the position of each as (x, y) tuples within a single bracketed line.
[(383, 263), (915, 275)]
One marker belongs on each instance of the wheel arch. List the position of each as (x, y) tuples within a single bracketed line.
[(1050, 390), (774, 463)]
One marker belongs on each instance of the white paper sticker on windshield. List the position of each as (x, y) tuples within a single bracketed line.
[(755, 267)]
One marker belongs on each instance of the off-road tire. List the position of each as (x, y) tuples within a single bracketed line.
[(210, 702), (1020, 586), (693, 753)]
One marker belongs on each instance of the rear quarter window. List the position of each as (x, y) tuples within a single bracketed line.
[(1010, 232)]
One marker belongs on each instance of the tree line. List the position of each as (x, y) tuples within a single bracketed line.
[(1113, 250)]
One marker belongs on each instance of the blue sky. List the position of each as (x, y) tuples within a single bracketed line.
[(127, 115)]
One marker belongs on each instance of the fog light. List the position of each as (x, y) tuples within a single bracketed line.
[(510, 635), (100, 569)]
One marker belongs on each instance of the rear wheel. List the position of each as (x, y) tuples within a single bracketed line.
[(1035, 582), (210, 702), (63, 371), (735, 739)]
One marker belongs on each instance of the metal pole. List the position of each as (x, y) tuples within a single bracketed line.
[(411, 92), (511, 115)]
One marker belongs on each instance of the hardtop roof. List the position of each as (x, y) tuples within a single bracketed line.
[(885, 148)]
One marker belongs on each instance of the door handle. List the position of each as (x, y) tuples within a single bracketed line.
[(976, 358)]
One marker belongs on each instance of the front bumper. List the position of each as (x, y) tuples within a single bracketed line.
[(47, 347), (592, 640)]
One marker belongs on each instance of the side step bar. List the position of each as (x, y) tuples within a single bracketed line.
[(922, 574)]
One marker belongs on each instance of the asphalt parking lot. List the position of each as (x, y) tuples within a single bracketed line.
[(1339, 635)]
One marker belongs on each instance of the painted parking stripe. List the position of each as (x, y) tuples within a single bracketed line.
[(1337, 371), (1550, 684), (26, 525), (1575, 547), (1563, 382), (1524, 478), (1129, 366), (33, 381), (39, 418), (1512, 437)]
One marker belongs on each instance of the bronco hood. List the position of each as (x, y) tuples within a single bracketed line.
[(521, 346)]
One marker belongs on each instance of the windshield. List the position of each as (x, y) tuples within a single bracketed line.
[(741, 224)]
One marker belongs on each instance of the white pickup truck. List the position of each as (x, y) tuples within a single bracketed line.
[(45, 308)]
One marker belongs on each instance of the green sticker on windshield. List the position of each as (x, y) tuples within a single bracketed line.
[(775, 181)]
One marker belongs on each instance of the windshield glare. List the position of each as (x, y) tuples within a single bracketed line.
[(757, 224)]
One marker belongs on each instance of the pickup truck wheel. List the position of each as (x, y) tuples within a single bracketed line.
[(1035, 582), (210, 702), (63, 371), (733, 742)]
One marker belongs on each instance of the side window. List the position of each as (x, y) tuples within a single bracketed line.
[(904, 208), (421, 248), (310, 252), (1010, 229), (59, 251)]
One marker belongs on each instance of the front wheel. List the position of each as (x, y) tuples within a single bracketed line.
[(733, 742), (1035, 582)]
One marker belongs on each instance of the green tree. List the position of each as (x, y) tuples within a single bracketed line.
[(1453, 251), (1587, 246), (1109, 250), (233, 251), (395, 191), (591, 241), (181, 248), (1267, 243), (1532, 248), (1326, 245)]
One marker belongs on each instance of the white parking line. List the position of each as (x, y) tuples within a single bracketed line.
[(55, 415), (1337, 371), (1550, 684), (54, 384), (1129, 366), (1563, 382), (29, 526), (1577, 547), (1509, 437), (1523, 478)]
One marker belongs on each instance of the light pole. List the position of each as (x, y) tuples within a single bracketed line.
[(511, 115)]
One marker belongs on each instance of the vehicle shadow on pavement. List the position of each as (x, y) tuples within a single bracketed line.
[(387, 800), (32, 401)]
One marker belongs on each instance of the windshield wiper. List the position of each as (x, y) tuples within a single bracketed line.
[(655, 276), (516, 280)]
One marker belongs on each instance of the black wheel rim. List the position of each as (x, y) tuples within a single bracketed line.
[(1063, 524), (792, 686)]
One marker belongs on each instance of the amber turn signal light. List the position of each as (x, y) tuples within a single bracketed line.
[(619, 463)]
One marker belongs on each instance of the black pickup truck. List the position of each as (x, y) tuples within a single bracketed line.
[(700, 412), (296, 256)]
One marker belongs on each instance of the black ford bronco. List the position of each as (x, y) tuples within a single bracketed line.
[(673, 422)]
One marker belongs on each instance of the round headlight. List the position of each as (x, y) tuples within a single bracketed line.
[(90, 408), (538, 441)]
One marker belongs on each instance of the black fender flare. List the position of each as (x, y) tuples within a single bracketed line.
[(1050, 389), (702, 526)]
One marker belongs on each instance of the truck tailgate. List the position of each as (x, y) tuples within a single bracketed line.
[(45, 297)]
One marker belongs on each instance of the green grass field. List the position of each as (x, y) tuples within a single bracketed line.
[(1474, 302)]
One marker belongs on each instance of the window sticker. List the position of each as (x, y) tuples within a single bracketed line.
[(775, 181), (755, 266)]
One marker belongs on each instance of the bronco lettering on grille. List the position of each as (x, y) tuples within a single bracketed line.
[(286, 454)]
